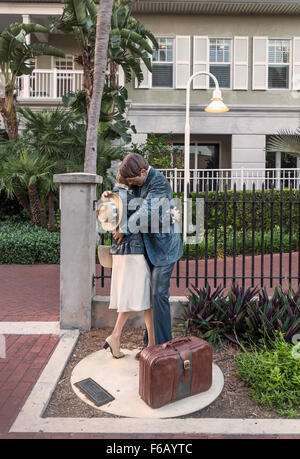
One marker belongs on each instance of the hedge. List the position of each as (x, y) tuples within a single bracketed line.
[(26, 243), (217, 210)]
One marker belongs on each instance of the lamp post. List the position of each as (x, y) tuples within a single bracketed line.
[(216, 106)]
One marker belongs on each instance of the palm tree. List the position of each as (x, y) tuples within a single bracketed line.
[(27, 176), (130, 43), (15, 54), (54, 133), (286, 140), (127, 44), (102, 37)]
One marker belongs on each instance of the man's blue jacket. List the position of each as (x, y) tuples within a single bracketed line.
[(162, 238)]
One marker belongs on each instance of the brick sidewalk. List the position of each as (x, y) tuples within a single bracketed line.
[(31, 292), (26, 357)]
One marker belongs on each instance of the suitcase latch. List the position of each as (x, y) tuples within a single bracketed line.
[(186, 364)]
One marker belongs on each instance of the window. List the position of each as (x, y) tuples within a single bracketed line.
[(65, 63), (202, 155), (220, 61), (278, 64), (162, 64)]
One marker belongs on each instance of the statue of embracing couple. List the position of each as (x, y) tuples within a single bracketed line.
[(145, 246)]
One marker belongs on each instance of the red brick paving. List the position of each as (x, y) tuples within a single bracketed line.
[(26, 357), (18, 282), (29, 293)]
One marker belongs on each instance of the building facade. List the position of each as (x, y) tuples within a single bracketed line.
[(252, 47)]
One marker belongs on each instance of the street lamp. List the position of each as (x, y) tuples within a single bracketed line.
[(216, 106)]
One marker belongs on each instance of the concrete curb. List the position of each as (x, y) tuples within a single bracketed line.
[(30, 417)]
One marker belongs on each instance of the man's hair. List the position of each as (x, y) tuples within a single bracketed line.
[(121, 179), (132, 165)]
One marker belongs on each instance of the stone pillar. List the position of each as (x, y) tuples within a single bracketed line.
[(78, 247), (249, 152)]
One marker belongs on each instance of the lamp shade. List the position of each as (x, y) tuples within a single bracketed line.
[(217, 105)]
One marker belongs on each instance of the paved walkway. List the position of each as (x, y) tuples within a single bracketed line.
[(29, 294)]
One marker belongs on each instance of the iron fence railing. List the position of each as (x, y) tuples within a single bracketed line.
[(249, 237)]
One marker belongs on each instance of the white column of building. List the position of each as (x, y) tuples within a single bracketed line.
[(26, 78), (278, 166), (248, 153)]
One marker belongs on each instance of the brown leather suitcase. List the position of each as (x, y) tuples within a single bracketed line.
[(174, 370)]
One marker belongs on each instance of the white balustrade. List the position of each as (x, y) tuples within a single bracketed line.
[(220, 178), (49, 83)]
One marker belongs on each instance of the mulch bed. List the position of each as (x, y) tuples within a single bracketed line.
[(233, 402)]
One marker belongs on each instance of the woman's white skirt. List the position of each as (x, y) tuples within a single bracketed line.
[(130, 283)]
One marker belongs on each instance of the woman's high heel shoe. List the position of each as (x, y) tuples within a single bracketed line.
[(114, 349)]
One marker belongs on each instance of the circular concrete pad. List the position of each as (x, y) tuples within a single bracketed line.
[(120, 377)]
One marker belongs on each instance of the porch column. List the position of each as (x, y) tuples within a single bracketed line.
[(278, 166), (26, 78), (248, 152), (77, 248)]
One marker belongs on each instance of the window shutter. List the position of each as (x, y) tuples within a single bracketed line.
[(240, 63), (260, 63), (201, 62), (183, 59), (296, 64)]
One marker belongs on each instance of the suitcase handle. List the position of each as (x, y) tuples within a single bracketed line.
[(176, 341)]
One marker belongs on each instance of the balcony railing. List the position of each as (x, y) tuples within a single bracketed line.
[(200, 178), (49, 84)]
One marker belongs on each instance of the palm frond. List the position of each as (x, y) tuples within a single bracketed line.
[(286, 141)]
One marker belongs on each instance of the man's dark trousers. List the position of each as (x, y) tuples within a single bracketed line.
[(160, 283)]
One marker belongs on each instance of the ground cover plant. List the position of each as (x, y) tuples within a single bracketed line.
[(272, 371), (242, 315)]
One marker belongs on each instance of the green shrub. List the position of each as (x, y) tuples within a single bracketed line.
[(25, 243), (216, 211), (273, 373), (285, 247)]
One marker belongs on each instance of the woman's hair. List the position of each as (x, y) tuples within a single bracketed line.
[(132, 165)]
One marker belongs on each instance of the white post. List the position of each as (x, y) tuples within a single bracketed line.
[(298, 176), (26, 78), (242, 177), (54, 82), (187, 148), (278, 166)]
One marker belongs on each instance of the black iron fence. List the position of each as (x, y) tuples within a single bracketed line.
[(251, 237)]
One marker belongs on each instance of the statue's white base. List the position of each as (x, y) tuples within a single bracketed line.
[(120, 377)]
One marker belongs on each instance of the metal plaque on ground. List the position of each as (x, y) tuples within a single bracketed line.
[(94, 391)]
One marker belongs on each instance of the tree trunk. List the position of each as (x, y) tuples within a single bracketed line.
[(35, 205), (100, 62), (43, 215), (51, 213), (88, 71), (9, 115), (23, 200)]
